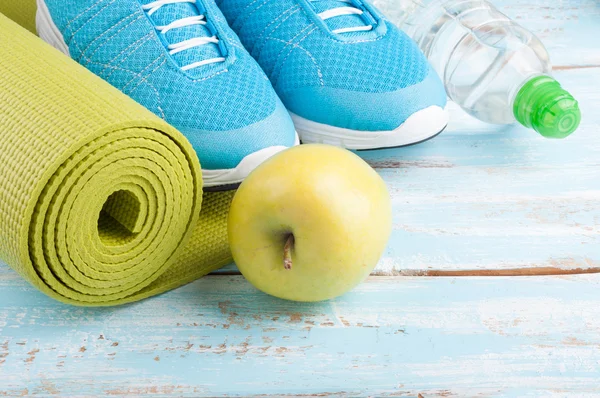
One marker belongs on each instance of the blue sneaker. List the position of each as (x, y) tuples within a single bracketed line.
[(348, 75), (180, 59)]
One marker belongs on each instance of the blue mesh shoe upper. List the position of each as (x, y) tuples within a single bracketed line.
[(194, 74), (341, 70)]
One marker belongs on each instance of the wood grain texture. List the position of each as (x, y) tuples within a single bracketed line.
[(482, 197), (451, 337)]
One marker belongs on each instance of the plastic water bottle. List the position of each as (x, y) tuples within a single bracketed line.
[(492, 67)]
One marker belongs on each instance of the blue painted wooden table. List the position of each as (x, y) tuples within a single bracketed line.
[(488, 286)]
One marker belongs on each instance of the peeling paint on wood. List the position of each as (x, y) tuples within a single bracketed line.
[(393, 336)]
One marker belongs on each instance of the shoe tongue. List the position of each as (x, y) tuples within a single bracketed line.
[(343, 21), (172, 12)]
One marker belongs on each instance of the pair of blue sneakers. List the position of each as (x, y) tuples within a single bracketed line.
[(239, 78)]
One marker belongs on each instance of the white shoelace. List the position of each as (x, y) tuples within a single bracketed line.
[(341, 11), (153, 7)]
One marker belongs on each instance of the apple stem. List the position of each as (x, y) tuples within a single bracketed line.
[(287, 252)]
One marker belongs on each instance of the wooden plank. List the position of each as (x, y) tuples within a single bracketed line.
[(393, 336), (568, 28), (484, 197)]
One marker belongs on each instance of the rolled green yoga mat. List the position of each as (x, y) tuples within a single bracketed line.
[(99, 199)]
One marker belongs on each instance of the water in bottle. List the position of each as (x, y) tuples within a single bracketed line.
[(492, 67)]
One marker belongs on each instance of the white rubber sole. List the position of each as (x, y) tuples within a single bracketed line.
[(419, 127), (48, 32), (233, 177)]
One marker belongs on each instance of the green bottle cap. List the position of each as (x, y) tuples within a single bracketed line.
[(543, 105)]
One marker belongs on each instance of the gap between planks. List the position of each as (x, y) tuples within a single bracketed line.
[(574, 67), (540, 271)]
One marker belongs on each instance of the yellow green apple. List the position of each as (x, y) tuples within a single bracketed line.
[(310, 223)]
